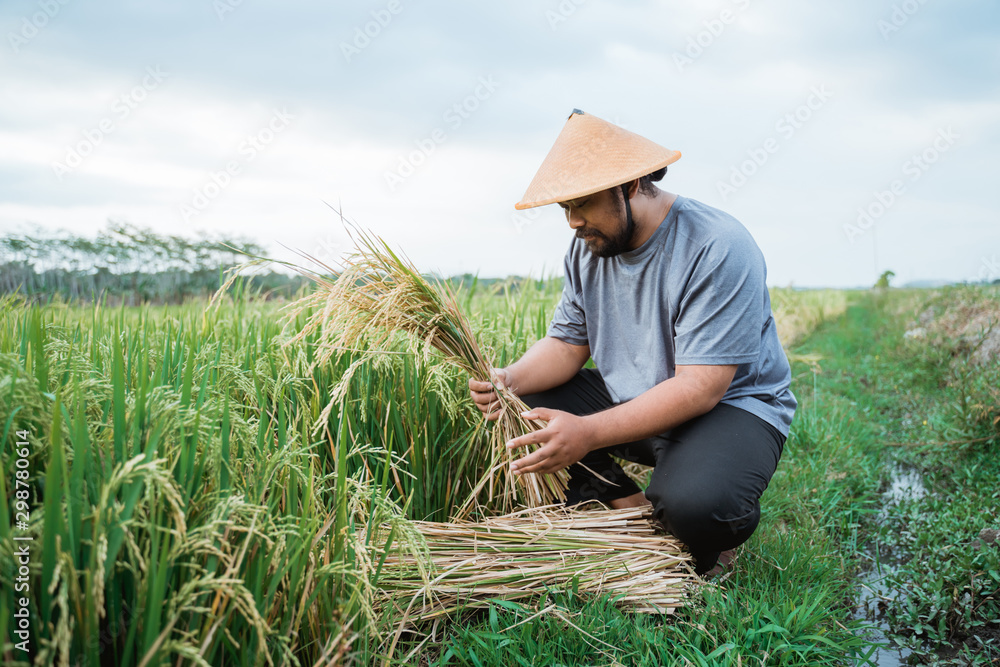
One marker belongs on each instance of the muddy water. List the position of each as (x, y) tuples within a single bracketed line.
[(904, 484)]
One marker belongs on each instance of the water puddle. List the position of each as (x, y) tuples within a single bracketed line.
[(873, 593), (904, 484)]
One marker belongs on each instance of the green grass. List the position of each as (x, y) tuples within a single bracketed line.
[(923, 404), (943, 409), (779, 614)]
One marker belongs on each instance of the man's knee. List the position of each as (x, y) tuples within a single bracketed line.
[(534, 400), (704, 518)]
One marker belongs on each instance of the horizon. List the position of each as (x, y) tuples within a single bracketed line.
[(918, 283)]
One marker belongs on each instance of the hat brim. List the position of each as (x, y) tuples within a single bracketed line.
[(567, 196), (589, 155)]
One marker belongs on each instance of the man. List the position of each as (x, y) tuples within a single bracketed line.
[(668, 297)]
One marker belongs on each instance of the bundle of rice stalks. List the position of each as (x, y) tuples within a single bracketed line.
[(518, 555), (377, 294)]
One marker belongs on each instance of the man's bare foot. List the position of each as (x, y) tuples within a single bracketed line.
[(635, 500)]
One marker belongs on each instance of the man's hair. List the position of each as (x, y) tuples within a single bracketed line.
[(646, 186)]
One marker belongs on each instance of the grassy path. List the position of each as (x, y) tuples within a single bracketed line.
[(927, 412)]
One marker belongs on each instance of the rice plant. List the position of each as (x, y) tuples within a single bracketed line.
[(180, 512)]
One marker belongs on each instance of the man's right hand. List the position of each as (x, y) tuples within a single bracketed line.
[(485, 397)]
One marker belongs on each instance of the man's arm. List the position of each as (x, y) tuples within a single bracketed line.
[(548, 363), (693, 391)]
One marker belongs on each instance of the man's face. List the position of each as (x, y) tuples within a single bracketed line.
[(600, 221)]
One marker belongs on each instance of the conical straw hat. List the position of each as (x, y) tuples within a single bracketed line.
[(590, 155)]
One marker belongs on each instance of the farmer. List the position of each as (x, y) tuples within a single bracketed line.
[(667, 295)]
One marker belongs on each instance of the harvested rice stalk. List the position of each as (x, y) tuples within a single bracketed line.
[(518, 555), (377, 293)]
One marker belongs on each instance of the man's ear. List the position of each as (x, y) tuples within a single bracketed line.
[(633, 188)]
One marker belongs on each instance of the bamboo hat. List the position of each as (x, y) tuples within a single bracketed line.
[(590, 155)]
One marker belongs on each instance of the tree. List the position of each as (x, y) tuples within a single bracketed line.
[(126, 263), (883, 280)]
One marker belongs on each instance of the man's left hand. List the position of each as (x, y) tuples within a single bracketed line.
[(565, 440)]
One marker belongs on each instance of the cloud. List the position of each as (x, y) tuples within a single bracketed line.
[(407, 94)]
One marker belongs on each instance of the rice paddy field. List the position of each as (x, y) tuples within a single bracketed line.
[(204, 485)]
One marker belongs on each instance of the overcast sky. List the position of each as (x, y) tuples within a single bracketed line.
[(849, 137)]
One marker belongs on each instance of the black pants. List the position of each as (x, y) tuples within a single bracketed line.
[(708, 473)]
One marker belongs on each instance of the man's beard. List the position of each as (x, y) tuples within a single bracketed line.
[(610, 246)]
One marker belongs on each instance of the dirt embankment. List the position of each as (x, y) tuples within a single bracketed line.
[(968, 319)]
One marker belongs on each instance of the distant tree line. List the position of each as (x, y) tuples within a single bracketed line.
[(125, 263)]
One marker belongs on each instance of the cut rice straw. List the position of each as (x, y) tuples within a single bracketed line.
[(517, 556)]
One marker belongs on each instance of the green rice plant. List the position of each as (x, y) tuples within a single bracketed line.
[(411, 407), (180, 510)]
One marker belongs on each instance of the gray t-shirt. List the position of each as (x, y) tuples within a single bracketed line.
[(693, 293)]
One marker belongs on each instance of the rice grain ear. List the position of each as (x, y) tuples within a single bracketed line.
[(379, 292)]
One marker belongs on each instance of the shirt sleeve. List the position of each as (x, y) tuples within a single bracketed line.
[(569, 323), (721, 313)]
